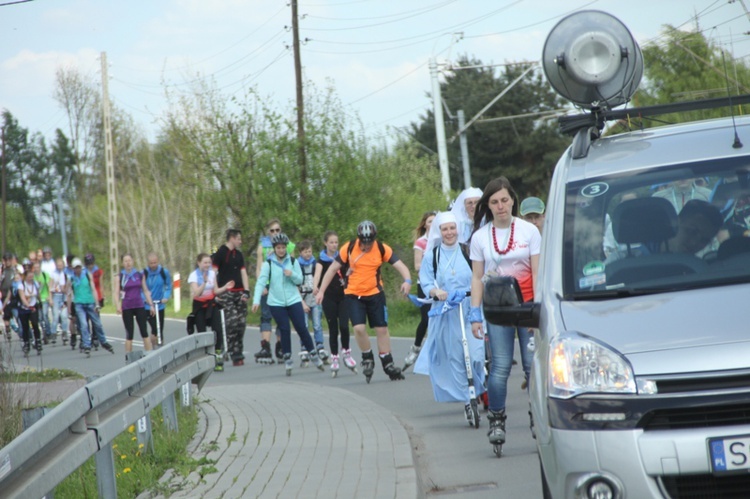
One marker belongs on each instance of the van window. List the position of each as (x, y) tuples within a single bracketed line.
[(664, 229)]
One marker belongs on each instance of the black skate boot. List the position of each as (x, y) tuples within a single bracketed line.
[(322, 354), (288, 363), (38, 347), (108, 347), (26, 347), (72, 341), (368, 365), (219, 366), (264, 356), (279, 353), (390, 369), (496, 434), (317, 361)]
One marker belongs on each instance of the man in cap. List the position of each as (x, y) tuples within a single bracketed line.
[(532, 210)]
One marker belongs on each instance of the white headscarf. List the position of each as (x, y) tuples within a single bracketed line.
[(434, 238), (459, 210)]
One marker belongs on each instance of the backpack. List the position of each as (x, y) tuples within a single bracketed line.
[(161, 271), (436, 257), (351, 247)]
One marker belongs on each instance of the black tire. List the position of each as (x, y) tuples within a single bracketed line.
[(474, 414), (546, 494)]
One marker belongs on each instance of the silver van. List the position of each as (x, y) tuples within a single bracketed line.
[(640, 383)]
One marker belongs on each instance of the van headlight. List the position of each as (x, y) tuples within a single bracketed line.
[(578, 364)]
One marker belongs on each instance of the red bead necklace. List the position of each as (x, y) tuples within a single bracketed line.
[(510, 240)]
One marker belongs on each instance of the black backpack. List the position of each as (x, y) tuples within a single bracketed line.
[(436, 257)]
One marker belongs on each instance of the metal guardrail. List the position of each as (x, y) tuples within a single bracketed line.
[(85, 423)]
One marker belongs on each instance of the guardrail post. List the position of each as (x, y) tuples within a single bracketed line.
[(169, 412), (143, 433), (186, 395), (105, 472)]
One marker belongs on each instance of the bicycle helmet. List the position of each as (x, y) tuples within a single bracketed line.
[(366, 231), (88, 259), (279, 238)]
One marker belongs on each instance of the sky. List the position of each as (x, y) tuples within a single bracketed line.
[(375, 53)]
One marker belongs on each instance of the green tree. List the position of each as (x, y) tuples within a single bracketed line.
[(686, 66), (523, 149)]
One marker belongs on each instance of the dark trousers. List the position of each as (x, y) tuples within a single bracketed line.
[(209, 314), (295, 314), (29, 321), (337, 316), (422, 326), (138, 315)]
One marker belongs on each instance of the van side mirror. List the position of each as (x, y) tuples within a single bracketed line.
[(503, 304)]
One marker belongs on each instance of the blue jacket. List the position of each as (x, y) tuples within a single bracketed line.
[(282, 290), (159, 286)]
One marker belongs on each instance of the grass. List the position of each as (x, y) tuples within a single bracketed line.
[(11, 421), (137, 469), (31, 375)]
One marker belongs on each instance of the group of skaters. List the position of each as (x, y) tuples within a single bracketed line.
[(46, 298), (456, 252), (485, 233)]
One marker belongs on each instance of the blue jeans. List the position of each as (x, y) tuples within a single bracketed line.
[(316, 313), (502, 341), (84, 311), (295, 314), (59, 312), (44, 319)]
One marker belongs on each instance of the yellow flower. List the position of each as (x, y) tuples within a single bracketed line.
[(131, 428), (134, 439), (126, 470), (123, 456), (114, 446), (140, 446)]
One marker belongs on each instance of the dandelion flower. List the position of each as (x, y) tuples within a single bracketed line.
[(126, 470), (131, 428), (123, 456)]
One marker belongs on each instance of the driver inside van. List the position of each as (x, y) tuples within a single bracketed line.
[(697, 224)]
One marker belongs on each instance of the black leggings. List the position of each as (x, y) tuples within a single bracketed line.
[(139, 314), (205, 315), (337, 316), (29, 320), (422, 326)]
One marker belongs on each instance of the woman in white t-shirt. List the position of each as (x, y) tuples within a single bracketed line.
[(203, 289), (504, 245)]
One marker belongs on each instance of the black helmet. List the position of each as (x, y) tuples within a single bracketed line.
[(366, 231), (88, 259), (279, 238)]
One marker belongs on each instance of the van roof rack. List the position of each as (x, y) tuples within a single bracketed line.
[(570, 125)]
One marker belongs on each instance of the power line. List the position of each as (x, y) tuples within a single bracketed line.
[(414, 13)]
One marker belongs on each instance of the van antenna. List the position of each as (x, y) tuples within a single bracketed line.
[(737, 143)]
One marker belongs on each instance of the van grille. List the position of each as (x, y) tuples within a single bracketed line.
[(696, 417), (706, 486), (697, 384)]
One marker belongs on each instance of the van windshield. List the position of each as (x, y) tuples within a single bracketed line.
[(665, 229)]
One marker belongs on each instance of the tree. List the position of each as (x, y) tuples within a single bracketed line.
[(687, 66), (523, 149)]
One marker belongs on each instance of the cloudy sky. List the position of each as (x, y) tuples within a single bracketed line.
[(375, 52)]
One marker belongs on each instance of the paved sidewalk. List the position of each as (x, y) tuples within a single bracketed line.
[(288, 439)]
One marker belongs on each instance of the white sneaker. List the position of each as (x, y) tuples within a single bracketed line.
[(348, 361)]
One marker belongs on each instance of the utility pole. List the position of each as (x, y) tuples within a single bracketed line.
[(110, 171), (5, 224), (440, 128), (61, 212), (464, 149), (301, 155)]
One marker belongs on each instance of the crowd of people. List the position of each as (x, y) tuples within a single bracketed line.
[(46, 299)]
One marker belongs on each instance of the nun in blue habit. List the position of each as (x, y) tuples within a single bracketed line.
[(446, 274)]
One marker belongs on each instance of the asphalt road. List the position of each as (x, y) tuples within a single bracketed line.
[(452, 459)]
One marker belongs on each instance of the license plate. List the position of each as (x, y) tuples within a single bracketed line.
[(730, 453)]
